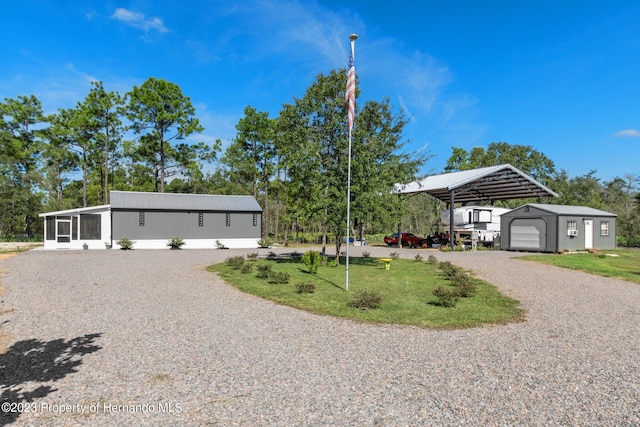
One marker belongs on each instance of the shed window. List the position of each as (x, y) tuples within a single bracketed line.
[(228, 220), (141, 219), (604, 228), (255, 220), (572, 225), (200, 219)]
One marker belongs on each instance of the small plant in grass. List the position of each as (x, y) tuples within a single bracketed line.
[(394, 255), (366, 254), (235, 262), (365, 300), (263, 271), (252, 256), (305, 287), (418, 258), (448, 269), (246, 268), (463, 284), (431, 259), (278, 277), (446, 297), (125, 243), (312, 260), (264, 243), (220, 245), (175, 243)]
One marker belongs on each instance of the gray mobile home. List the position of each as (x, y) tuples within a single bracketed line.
[(152, 219), (556, 228)]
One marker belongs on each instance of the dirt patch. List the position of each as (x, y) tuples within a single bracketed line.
[(5, 338)]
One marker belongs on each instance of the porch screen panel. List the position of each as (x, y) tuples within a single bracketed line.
[(90, 227)]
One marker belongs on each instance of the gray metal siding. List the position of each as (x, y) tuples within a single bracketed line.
[(185, 225), (557, 237)]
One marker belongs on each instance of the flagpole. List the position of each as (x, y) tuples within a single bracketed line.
[(350, 98)]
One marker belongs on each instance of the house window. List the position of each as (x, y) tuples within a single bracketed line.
[(255, 220), (604, 228), (141, 219), (228, 221), (572, 225), (90, 226), (200, 219)]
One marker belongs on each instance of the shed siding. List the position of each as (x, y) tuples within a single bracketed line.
[(185, 225), (557, 238)]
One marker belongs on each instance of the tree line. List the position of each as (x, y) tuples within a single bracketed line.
[(294, 164)]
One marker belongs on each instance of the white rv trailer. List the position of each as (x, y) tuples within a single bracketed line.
[(484, 220)]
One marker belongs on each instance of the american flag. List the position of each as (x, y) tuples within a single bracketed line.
[(350, 93)]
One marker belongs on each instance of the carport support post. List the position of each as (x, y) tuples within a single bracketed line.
[(451, 225)]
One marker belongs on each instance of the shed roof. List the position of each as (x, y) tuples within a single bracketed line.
[(182, 202), (501, 182), (568, 210)]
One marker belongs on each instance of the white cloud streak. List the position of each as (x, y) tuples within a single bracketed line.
[(633, 133), (139, 20)]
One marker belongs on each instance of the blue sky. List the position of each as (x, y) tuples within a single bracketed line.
[(561, 76)]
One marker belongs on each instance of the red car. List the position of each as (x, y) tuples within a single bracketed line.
[(408, 239)]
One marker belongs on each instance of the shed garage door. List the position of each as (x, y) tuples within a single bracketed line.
[(528, 233)]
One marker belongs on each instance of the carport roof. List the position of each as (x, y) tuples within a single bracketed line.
[(502, 182)]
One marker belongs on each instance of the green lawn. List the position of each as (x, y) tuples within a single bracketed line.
[(626, 265), (406, 291)]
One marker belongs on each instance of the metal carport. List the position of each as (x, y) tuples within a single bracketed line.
[(501, 182)]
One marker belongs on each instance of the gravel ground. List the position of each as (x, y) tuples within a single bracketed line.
[(151, 338)]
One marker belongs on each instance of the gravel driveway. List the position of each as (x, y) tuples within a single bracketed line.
[(150, 338)]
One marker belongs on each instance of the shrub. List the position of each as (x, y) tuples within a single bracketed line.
[(432, 259), (263, 271), (264, 243), (366, 254), (446, 297), (448, 269), (175, 243), (278, 277), (235, 262), (252, 256), (305, 287), (246, 268), (365, 300), (272, 255), (463, 284), (312, 260), (125, 243), (394, 255), (418, 258), (220, 245)]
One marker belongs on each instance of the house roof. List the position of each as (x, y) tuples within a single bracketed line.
[(502, 182), (87, 210), (569, 210), (123, 200)]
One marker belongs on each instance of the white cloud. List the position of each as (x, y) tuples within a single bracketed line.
[(634, 133), (139, 20)]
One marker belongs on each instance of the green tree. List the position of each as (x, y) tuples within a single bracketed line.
[(524, 157), (315, 147), (105, 109), (21, 128), (159, 112), (250, 157)]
